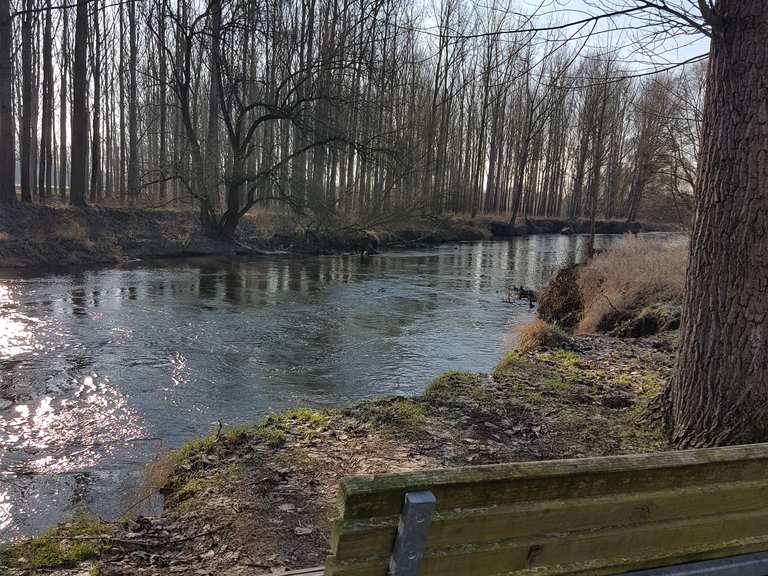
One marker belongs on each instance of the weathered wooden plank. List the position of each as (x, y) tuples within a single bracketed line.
[(381, 495), (476, 526), (596, 553)]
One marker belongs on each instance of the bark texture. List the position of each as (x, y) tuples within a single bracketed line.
[(720, 391)]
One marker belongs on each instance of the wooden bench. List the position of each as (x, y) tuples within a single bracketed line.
[(678, 513)]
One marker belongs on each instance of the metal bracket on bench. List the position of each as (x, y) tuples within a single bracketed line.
[(415, 519)]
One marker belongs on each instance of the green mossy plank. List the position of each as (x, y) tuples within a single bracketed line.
[(567, 517), (382, 495), (591, 516), (596, 555)]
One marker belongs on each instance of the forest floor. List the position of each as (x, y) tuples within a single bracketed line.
[(260, 499), (33, 236)]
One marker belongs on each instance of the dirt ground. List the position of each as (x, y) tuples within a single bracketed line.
[(260, 499)]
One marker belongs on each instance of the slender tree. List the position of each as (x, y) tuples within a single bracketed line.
[(45, 158), (79, 179), (63, 104), (7, 137)]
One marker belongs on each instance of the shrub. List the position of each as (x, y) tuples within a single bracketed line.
[(561, 303)]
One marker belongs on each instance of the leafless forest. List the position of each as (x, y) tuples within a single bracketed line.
[(344, 110)]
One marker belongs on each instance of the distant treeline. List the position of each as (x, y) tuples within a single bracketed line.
[(334, 109)]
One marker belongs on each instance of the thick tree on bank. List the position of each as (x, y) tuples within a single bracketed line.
[(719, 394)]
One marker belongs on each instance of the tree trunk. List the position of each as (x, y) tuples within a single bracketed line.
[(96, 130), (64, 97), (212, 136), (163, 63), (79, 179), (45, 159), (719, 394), (133, 126), (25, 136), (7, 160)]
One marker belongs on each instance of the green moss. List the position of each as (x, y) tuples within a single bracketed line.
[(193, 448), (567, 358), (448, 384), (510, 360), (271, 435), (622, 380), (558, 384), (528, 394), (193, 487), (199, 485), (306, 416), (651, 384), (479, 394), (68, 544), (395, 411), (273, 429), (237, 434)]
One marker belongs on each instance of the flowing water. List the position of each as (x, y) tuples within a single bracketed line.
[(101, 370)]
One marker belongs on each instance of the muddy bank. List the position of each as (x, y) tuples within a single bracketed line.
[(55, 237), (34, 236), (565, 226), (257, 499)]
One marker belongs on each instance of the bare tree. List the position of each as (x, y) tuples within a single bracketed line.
[(7, 137), (79, 179)]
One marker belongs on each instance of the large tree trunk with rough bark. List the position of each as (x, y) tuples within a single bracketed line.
[(719, 394)]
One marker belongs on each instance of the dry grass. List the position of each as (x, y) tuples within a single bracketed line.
[(69, 229), (639, 273), (539, 335), (269, 222)]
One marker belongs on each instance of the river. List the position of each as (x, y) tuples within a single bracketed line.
[(103, 369)]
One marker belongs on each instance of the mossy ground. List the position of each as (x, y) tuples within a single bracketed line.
[(253, 498), (83, 538)]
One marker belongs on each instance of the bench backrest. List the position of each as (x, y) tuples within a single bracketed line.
[(590, 516)]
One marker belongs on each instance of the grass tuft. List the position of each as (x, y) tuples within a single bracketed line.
[(537, 335), (448, 384)]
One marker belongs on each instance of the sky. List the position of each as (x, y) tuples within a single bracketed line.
[(673, 49)]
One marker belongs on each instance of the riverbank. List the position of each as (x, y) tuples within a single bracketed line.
[(256, 499), (34, 236)]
